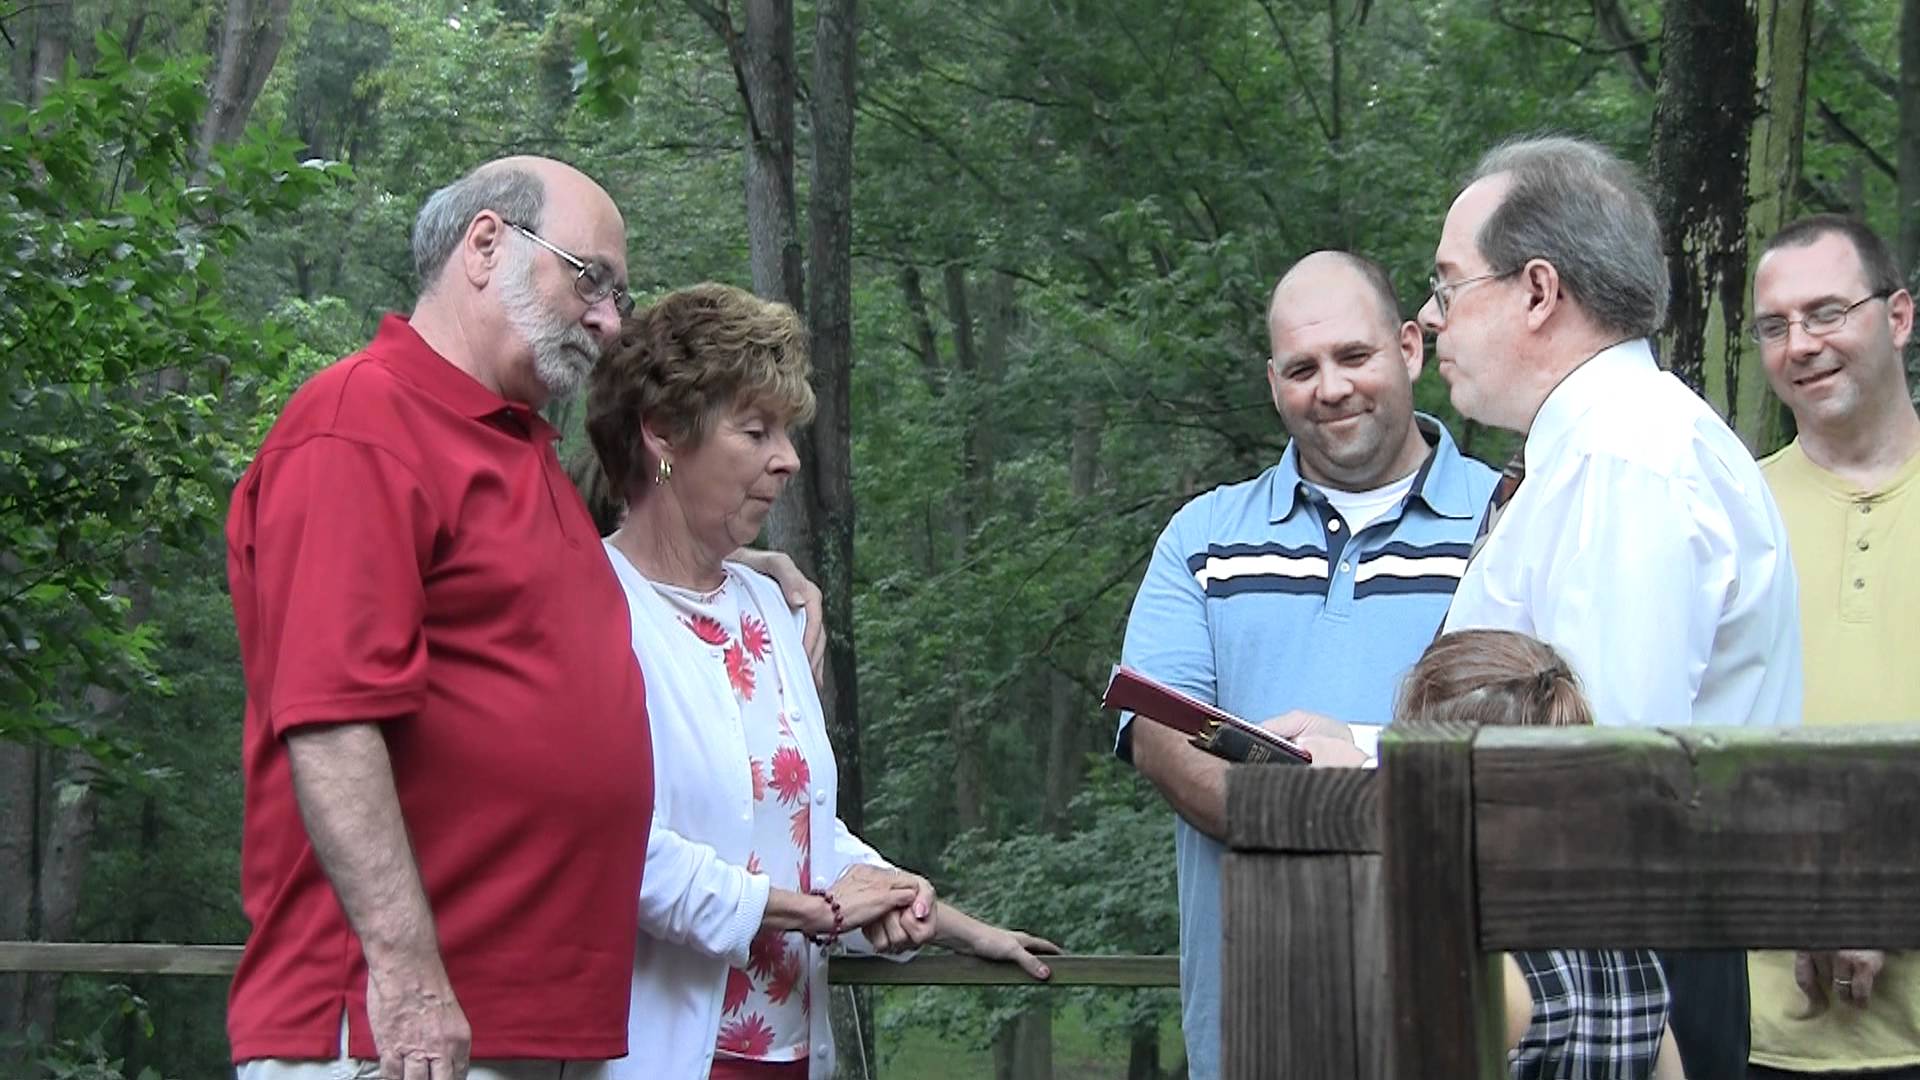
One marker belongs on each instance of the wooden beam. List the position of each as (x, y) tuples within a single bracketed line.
[(1288, 808), (1696, 838), (1303, 962), (1447, 1015), (118, 959), (927, 969), (951, 969)]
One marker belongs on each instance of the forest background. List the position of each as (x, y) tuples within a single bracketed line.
[(1033, 242)]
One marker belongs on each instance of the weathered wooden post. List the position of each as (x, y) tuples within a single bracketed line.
[(1304, 988), (1446, 1013)]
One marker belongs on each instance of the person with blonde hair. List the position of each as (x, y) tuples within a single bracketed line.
[(1572, 1014), (750, 873)]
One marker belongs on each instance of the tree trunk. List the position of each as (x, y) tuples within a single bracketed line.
[(968, 778), (827, 447), (250, 40), (1143, 1053), (765, 65), (1703, 118), (1738, 387), (19, 855), (1024, 1048), (41, 58), (1910, 157)]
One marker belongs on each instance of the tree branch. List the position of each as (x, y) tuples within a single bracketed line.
[(1839, 127)]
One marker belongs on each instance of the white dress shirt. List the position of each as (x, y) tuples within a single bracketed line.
[(699, 906), (1644, 546)]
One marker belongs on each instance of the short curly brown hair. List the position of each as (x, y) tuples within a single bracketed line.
[(684, 360)]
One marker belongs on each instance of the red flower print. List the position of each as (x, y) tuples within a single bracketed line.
[(765, 954), (738, 672), (806, 870), (753, 634), (753, 863), (739, 985), (801, 826), (748, 1036), (706, 628), (786, 728), (786, 976), (759, 779), (790, 775)]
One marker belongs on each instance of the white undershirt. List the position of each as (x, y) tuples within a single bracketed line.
[(1360, 509)]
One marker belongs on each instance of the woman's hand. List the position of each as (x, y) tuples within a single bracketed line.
[(870, 894), (905, 928), (961, 931)]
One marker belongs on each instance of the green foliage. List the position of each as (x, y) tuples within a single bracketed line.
[(87, 1057), (118, 344)]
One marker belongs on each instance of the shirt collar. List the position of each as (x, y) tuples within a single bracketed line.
[(402, 348), (1580, 391), (1442, 482)]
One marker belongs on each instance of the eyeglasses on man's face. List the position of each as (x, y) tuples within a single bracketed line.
[(592, 281), (1821, 321), (1444, 291)]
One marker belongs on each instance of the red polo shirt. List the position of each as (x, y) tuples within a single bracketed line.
[(406, 550)]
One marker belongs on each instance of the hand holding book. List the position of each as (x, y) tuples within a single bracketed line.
[(1210, 728)]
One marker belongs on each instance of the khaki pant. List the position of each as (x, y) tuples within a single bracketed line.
[(351, 1068)]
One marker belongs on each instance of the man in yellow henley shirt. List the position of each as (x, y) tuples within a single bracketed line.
[(1832, 314)]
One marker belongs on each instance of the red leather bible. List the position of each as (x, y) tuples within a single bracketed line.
[(1212, 729)]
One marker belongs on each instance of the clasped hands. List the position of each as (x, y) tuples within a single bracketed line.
[(899, 911)]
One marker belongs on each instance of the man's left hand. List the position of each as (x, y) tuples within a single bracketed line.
[(1328, 740), (1847, 973), (802, 595)]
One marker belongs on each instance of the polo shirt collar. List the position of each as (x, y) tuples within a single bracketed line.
[(402, 348), (1442, 482), (1582, 389)]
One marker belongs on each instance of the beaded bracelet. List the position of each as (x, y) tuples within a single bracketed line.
[(839, 920)]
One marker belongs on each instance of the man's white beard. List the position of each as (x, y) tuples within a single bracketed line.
[(563, 351)]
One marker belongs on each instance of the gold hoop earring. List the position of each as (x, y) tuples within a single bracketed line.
[(664, 473)]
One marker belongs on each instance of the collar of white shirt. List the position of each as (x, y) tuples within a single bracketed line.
[(1580, 391)]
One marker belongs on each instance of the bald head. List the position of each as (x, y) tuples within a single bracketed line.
[(519, 189), (1316, 276)]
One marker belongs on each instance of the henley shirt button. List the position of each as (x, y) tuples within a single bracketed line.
[(1862, 545), (1346, 567), (1866, 508), (820, 1052), (1334, 525), (820, 796), (1859, 583)]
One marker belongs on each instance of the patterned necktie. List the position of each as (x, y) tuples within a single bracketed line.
[(1510, 478)]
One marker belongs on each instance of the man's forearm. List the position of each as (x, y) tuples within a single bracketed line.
[(343, 781), (1194, 781)]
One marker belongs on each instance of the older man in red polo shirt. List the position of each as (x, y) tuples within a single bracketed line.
[(448, 765)]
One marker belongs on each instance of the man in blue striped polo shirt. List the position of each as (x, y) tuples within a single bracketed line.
[(1312, 587)]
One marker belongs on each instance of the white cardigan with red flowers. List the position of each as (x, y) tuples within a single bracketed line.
[(699, 907)]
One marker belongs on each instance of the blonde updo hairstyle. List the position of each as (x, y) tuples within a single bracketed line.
[(682, 362), (1492, 677)]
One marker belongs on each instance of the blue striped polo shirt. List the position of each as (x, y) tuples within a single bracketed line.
[(1258, 600)]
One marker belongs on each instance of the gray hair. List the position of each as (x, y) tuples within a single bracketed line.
[(513, 193), (1577, 206)]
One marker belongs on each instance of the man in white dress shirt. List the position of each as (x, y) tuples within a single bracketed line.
[(1642, 543)]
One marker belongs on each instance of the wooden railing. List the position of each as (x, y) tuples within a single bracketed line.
[(927, 969), (1365, 911)]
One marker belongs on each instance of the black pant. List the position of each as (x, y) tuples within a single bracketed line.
[(1709, 1018)]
